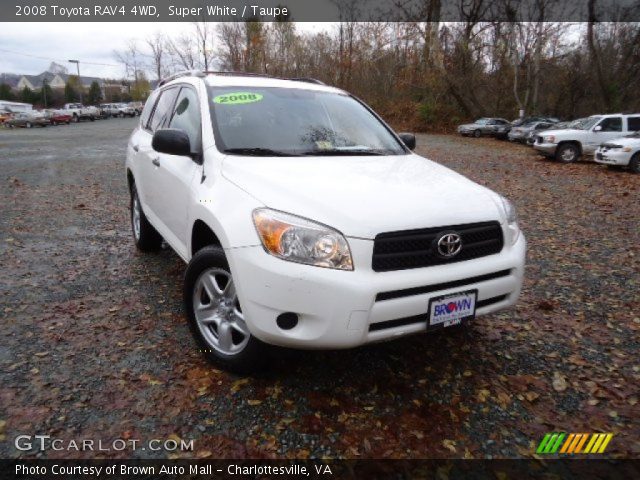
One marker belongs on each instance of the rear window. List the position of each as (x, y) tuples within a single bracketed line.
[(634, 124)]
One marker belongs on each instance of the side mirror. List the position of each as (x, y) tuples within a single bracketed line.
[(597, 128), (409, 139), (171, 141)]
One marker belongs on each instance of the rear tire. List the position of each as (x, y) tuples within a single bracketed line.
[(634, 164), (215, 316), (477, 133), (567, 153), (145, 236)]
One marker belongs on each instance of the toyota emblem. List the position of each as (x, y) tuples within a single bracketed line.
[(449, 245)]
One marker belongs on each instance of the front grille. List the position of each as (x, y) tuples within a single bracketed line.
[(539, 139), (417, 248)]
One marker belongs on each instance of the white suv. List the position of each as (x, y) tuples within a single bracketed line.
[(567, 145), (307, 222)]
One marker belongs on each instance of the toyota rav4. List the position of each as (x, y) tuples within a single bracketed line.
[(307, 222)]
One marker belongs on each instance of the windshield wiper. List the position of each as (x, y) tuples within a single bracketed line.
[(258, 152), (342, 153)]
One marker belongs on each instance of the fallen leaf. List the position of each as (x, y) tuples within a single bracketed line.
[(559, 382)]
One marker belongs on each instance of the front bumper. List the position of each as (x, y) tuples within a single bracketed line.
[(613, 157), (342, 309), (546, 148)]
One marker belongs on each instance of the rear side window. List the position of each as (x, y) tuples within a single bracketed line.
[(634, 124), (146, 111), (186, 116), (611, 124), (163, 108)]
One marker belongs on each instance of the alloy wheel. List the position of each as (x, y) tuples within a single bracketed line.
[(218, 313)]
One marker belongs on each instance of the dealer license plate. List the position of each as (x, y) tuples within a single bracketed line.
[(452, 309)]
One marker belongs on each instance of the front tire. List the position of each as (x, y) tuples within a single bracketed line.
[(477, 133), (634, 164), (215, 317), (567, 153), (145, 236)]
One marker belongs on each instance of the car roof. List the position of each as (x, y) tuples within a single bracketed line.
[(241, 79)]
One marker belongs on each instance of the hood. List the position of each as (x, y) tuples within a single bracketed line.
[(364, 196), (624, 141), (571, 132), (468, 125)]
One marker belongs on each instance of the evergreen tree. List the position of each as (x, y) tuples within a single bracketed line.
[(27, 95), (5, 92), (94, 97), (70, 93)]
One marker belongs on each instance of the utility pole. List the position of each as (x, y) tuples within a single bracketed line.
[(44, 91), (77, 62)]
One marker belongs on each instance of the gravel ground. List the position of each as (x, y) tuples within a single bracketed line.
[(94, 344)]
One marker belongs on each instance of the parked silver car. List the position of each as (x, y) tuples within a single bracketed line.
[(498, 127), (522, 133), (27, 120)]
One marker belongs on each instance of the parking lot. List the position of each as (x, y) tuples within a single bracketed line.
[(95, 344)]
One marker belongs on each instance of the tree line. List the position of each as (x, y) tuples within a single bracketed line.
[(47, 97), (427, 75), (421, 75)]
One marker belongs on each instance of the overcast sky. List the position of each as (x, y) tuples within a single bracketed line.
[(21, 43)]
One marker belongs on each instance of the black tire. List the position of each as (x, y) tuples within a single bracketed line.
[(27, 125), (567, 153), (254, 356), (634, 163), (75, 118), (147, 239), (477, 133)]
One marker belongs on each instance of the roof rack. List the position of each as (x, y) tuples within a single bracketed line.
[(306, 79), (184, 73), (202, 74), (239, 74)]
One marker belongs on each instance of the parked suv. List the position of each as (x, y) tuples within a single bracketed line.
[(307, 222), (567, 145)]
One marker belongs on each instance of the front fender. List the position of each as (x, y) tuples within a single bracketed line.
[(227, 211)]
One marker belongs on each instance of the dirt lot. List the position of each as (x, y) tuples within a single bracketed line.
[(94, 343)]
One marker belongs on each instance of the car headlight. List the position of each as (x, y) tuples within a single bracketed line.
[(512, 219), (299, 240), (627, 149), (549, 139)]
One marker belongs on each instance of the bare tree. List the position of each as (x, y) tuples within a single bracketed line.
[(157, 44)]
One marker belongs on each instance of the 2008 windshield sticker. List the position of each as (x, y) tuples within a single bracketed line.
[(237, 98)]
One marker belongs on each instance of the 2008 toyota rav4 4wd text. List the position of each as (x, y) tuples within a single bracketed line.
[(307, 222)]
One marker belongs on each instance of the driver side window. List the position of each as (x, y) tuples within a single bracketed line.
[(186, 116), (611, 124)]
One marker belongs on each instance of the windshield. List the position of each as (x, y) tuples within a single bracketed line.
[(482, 121), (268, 121), (587, 123)]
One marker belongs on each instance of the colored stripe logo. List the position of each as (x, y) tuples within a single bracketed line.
[(560, 442)]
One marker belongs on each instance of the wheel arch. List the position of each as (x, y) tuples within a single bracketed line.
[(573, 142), (130, 179), (202, 236)]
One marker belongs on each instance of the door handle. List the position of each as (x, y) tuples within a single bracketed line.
[(156, 161), (136, 148)]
